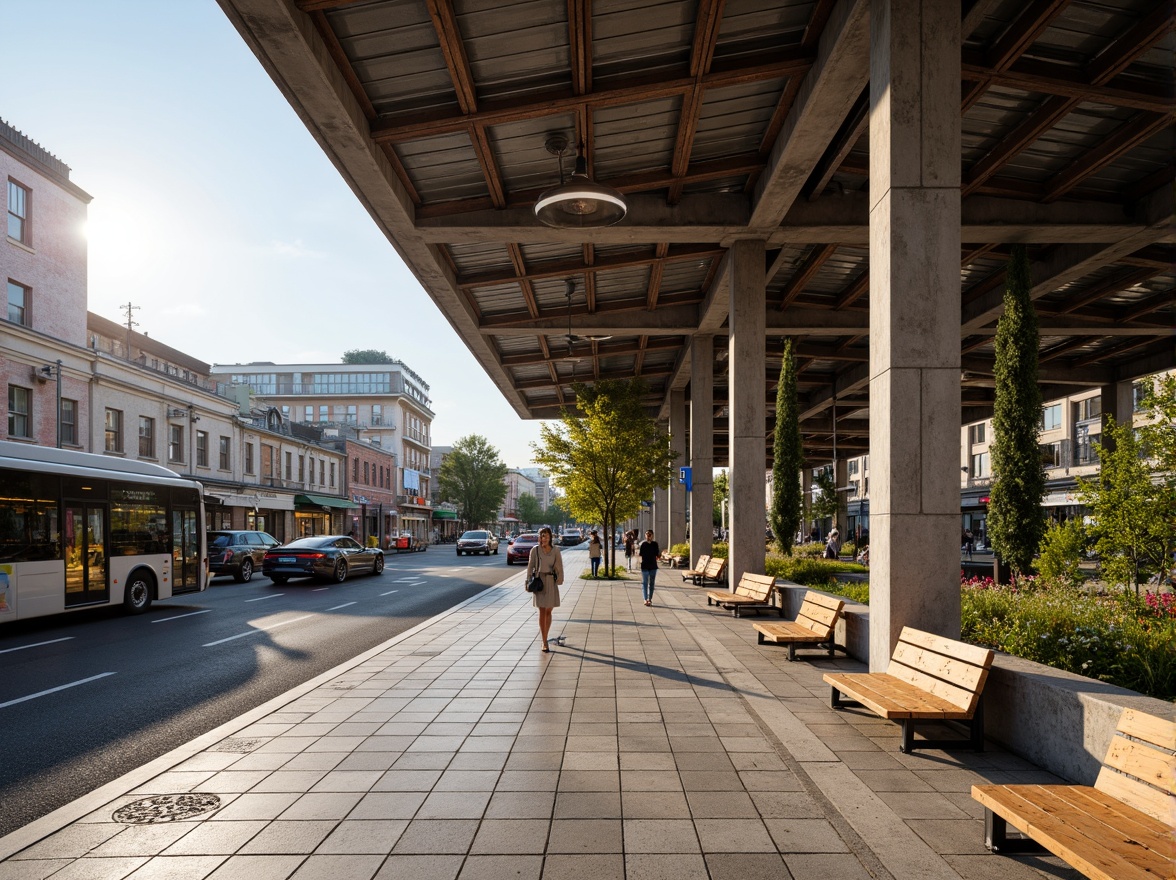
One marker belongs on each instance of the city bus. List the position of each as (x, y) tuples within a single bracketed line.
[(79, 530)]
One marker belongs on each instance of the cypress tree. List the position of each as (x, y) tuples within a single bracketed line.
[(1016, 522), (787, 456)]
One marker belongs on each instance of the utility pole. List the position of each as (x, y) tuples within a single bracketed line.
[(129, 311)]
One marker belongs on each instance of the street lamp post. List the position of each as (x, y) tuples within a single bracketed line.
[(54, 369)]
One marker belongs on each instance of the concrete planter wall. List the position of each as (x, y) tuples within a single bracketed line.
[(1061, 722)]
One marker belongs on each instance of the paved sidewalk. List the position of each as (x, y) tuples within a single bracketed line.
[(658, 743)]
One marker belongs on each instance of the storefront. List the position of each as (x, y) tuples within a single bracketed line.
[(262, 511), (444, 525), (857, 522), (322, 515), (974, 516), (416, 517)]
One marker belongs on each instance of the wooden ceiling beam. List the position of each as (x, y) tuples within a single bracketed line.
[(1011, 45), (1153, 304), (580, 44), (702, 52), (543, 271), (1111, 286), (603, 350), (1125, 139), (817, 257), (653, 286)]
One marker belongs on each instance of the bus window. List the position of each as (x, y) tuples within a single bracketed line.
[(29, 529)]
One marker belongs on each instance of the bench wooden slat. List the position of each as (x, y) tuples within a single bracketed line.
[(1141, 773), (698, 570), (973, 654), (957, 683), (1141, 762), (1087, 837), (1159, 732), (1110, 810), (893, 699), (788, 631)]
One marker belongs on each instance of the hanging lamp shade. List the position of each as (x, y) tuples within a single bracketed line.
[(579, 203)]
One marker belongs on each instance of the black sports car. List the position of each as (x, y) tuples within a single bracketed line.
[(325, 556)]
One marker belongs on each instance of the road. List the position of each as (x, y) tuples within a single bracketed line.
[(89, 696)]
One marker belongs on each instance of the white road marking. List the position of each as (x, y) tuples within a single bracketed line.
[(390, 592), (270, 596), (319, 589), (255, 631), (36, 644), (189, 614), (55, 690), (344, 605), (408, 580)]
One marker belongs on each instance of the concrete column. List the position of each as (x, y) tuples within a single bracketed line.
[(746, 355), (702, 444), (914, 321), (1117, 402), (677, 523), (661, 517)]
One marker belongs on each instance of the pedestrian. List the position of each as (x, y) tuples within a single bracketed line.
[(595, 548), (833, 544), (649, 552), (546, 561), (969, 543), (630, 546)]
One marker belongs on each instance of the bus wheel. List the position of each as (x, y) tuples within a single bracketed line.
[(137, 595)]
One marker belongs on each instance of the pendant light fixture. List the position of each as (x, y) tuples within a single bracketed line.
[(577, 203)]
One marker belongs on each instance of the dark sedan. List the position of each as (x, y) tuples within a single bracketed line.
[(521, 548), (331, 557), (238, 553)]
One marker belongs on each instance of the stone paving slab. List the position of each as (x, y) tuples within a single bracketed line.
[(658, 742)]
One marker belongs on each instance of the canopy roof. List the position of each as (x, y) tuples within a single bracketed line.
[(745, 118)]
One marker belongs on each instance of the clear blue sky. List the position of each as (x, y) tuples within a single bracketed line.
[(215, 211)]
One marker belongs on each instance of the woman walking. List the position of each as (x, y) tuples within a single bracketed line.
[(649, 551), (630, 546), (547, 562), (595, 548)]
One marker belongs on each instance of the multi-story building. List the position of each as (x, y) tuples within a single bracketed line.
[(78, 380), (517, 484), (385, 406), (542, 483)]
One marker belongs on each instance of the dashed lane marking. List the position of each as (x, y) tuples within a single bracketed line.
[(60, 687), (36, 645)]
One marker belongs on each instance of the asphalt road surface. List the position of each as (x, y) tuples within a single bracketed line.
[(89, 696)]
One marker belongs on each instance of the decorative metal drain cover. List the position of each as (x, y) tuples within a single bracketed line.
[(166, 808), (238, 744)]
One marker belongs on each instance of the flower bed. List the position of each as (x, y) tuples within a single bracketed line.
[(1117, 638)]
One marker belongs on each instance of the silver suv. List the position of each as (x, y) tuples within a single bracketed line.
[(478, 541), (238, 553)]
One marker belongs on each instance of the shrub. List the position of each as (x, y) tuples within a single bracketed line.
[(719, 551), (808, 571), (680, 550), (813, 548), (1061, 552)]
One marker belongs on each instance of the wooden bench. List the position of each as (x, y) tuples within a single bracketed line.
[(814, 625), (714, 571), (1119, 829), (693, 574), (930, 678), (754, 593)]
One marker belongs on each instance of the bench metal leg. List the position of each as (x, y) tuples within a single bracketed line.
[(834, 697), (908, 736), (759, 638), (791, 651), (997, 840), (708, 601)]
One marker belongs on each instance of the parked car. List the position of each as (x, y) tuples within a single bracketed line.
[(571, 537), (238, 553), (521, 548), (478, 541), (332, 557)]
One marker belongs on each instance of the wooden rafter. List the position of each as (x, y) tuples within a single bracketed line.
[(801, 277), (580, 44), (706, 36), (602, 349), (653, 288), (544, 271), (1114, 285), (1051, 78), (516, 259), (1127, 138), (1032, 22)]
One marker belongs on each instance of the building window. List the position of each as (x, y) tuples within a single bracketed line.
[(323, 417), (1139, 391), (1051, 454), (366, 475), (302, 469), (202, 448), (322, 472), (976, 434), (248, 458), (355, 470), (289, 465), (377, 414), (1090, 408), (332, 475), (980, 465), (224, 454), (146, 437), (1051, 417), (18, 212), (114, 430), (18, 304), (69, 422), (1084, 446), (308, 414), (20, 403), (175, 443)]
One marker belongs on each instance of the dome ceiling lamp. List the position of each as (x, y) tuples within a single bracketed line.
[(577, 203)]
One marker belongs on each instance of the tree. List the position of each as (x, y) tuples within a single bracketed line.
[(557, 511), (1015, 519), (472, 478), (609, 460), (529, 510), (1133, 498), (787, 456), (366, 356), (825, 501), (722, 491)]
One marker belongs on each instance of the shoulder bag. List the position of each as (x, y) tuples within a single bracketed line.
[(535, 584)]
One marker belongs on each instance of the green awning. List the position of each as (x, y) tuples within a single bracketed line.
[(325, 501), (444, 514)]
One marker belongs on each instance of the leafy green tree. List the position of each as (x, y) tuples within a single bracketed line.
[(1015, 519), (609, 460), (1061, 552), (825, 502), (472, 478), (529, 510), (557, 512), (787, 457), (1133, 498), (722, 491), (366, 356)]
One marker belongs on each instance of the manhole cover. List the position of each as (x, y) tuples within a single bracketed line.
[(238, 744), (166, 808)]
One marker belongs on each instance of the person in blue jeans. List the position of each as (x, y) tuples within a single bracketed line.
[(648, 551), (595, 549)]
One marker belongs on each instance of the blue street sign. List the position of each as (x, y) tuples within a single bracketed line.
[(685, 476)]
